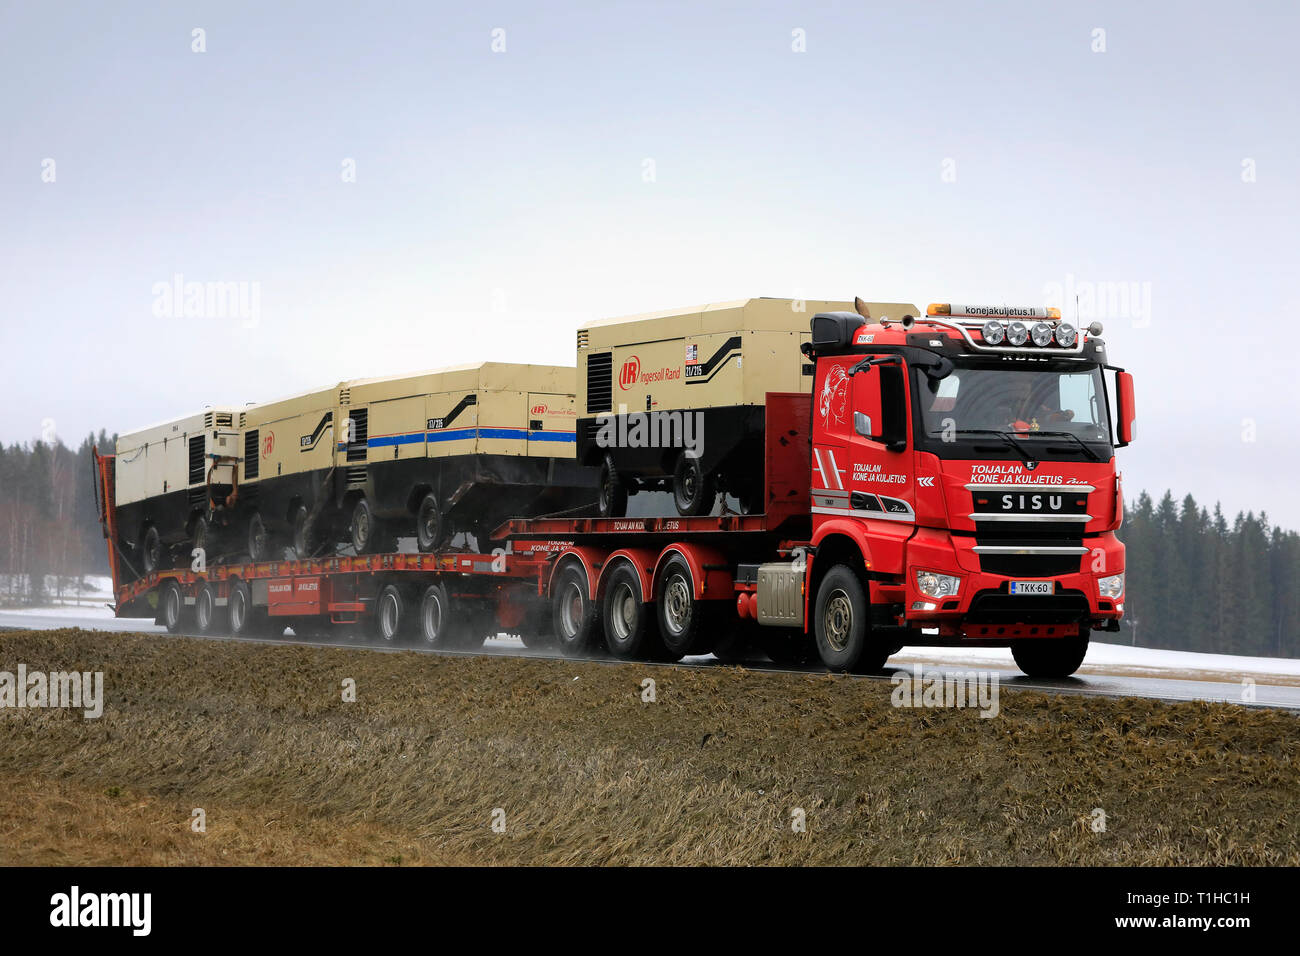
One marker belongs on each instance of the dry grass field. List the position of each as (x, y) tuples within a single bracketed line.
[(584, 772)]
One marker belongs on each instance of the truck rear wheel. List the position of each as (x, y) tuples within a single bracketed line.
[(693, 491), (629, 621), (611, 501), (683, 621), (843, 625), (576, 618), (1050, 656)]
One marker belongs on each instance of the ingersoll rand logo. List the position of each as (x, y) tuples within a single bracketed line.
[(630, 373)]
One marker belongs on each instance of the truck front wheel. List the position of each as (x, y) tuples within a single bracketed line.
[(842, 623), (1050, 656)]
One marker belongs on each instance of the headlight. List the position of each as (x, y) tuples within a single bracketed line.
[(1111, 587), (1066, 334), (994, 332), (935, 585), (1017, 334), (1042, 334)]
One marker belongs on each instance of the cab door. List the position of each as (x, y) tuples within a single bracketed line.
[(880, 480)]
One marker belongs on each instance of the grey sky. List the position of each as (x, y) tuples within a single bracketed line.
[(947, 152)]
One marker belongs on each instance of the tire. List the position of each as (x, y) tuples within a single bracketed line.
[(259, 542), (209, 617), (430, 525), (693, 491), (200, 538), (630, 631), (842, 621), (390, 620), (364, 532), (437, 624), (1050, 657), (151, 550), (303, 544), (244, 619), (611, 499), (576, 619), (684, 623), (172, 613)]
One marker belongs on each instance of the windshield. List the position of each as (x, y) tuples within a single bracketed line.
[(1014, 400)]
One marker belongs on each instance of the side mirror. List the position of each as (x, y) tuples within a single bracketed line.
[(879, 399), (862, 424), (1125, 411)]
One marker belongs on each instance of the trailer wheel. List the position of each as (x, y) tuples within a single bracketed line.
[(842, 621), (611, 501), (171, 608), (390, 618), (208, 615), (258, 540), (683, 621), (430, 525), (245, 619), (151, 550), (576, 618), (1050, 656), (630, 631), (437, 626), (693, 491)]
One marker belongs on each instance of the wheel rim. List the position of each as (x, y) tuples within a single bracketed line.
[(837, 620), (432, 619), (388, 615), (624, 613), (677, 605)]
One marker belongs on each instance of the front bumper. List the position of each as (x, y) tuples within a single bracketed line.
[(983, 609)]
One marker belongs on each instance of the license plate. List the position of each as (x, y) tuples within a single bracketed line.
[(1033, 587)]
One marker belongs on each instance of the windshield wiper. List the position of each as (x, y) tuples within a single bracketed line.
[(1075, 438), (1003, 435)]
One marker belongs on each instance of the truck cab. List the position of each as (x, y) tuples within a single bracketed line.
[(963, 485)]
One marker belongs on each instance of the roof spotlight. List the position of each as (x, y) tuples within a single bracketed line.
[(994, 332), (1042, 334), (1066, 334), (1017, 334)]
